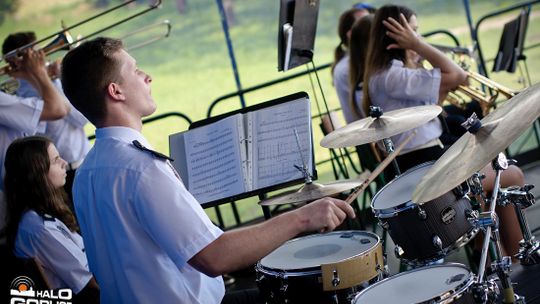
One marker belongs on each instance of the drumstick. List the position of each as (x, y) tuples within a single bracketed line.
[(356, 191)]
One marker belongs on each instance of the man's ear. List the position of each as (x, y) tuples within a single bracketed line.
[(115, 92)]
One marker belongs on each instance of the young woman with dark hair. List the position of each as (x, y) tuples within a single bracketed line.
[(358, 47), (39, 223), (394, 80), (340, 66)]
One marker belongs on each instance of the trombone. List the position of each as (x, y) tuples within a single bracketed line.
[(165, 23), (64, 41), (11, 85)]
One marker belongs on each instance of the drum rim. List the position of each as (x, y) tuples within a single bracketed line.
[(315, 269), (403, 206), (459, 289)]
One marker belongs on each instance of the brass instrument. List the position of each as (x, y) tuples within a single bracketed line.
[(165, 23), (11, 85), (64, 41), (486, 98)]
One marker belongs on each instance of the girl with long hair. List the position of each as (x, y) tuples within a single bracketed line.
[(394, 79), (340, 66), (39, 223), (358, 47)]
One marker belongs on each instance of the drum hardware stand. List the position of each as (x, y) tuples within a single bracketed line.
[(488, 222), (376, 112), (308, 179), (522, 198)]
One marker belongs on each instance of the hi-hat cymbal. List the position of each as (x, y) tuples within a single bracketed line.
[(313, 191), (473, 151), (372, 129)]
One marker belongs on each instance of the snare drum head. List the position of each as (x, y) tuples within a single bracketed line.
[(418, 285), (315, 250), (400, 189)]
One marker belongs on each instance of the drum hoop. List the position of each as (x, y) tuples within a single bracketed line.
[(392, 211), (317, 269), (448, 294)]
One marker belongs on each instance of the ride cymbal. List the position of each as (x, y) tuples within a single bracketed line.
[(473, 151)]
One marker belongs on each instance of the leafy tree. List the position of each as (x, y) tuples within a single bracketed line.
[(7, 7)]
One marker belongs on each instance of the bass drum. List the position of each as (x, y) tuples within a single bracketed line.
[(446, 283), (323, 268)]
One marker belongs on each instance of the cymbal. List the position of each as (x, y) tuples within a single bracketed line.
[(313, 191), (473, 151), (371, 129)]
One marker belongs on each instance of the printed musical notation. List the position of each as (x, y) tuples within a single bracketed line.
[(213, 156), (245, 152), (275, 148)]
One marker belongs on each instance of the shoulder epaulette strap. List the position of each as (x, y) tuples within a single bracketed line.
[(47, 217), (139, 146)]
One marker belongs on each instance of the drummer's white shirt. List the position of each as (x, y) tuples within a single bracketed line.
[(140, 225)]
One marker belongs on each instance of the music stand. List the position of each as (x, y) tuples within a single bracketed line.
[(511, 44), (296, 32)]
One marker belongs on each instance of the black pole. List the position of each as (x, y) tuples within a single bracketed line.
[(225, 26)]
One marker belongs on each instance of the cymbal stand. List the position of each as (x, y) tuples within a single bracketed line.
[(488, 222), (522, 198), (376, 112), (308, 179)]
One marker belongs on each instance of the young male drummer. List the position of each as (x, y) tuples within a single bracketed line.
[(148, 240)]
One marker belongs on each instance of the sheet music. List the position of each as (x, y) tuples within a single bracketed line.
[(214, 160), (274, 147)]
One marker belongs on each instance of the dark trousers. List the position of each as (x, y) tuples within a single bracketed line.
[(412, 159)]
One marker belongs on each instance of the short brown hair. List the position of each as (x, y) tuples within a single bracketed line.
[(16, 40), (87, 70)]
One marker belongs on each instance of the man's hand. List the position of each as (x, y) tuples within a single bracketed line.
[(324, 214), (28, 66)]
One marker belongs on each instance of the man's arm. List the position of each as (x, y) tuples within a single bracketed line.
[(242, 247), (31, 67)]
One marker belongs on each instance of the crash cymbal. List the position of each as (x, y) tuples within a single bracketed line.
[(372, 129), (313, 191), (473, 151)]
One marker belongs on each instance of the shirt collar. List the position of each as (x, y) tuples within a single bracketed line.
[(124, 134)]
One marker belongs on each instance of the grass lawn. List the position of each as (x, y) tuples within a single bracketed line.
[(191, 68)]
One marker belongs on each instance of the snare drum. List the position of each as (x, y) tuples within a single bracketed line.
[(446, 283), (426, 232), (322, 268)]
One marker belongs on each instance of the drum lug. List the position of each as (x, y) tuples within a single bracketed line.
[(384, 225), (284, 284), (422, 213), (336, 280), (437, 242), (398, 252), (260, 277)]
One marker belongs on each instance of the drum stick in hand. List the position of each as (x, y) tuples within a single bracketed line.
[(356, 191)]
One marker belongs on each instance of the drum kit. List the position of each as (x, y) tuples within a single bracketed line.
[(429, 211)]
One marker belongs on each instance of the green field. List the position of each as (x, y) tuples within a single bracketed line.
[(191, 68)]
